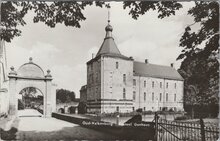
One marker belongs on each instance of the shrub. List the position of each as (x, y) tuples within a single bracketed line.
[(184, 117)]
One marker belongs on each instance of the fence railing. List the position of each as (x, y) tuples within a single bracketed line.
[(185, 131)]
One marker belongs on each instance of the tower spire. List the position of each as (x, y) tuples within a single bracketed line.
[(108, 28), (109, 13)]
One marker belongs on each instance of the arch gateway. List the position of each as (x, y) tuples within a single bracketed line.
[(31, 75)]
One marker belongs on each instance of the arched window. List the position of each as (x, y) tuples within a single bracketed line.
[(124, 78), (144, 96), (174, 97), (124, 93), (160, 96), (134, 95), (152, 96), (152, 84), (116, 65), (145, 84), (134, 82)]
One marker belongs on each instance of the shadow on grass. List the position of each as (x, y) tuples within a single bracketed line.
[(8, 135), (66, 133)]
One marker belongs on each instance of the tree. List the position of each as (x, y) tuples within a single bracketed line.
[(30, 91), (68, 13), (65, 96), (199, 48), (200, 66)]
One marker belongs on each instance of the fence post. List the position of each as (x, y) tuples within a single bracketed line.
[(156, 126), (202, 129)]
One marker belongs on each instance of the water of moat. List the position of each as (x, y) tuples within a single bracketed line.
[(148, 118)]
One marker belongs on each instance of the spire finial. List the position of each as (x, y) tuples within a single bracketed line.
[(108, 7)]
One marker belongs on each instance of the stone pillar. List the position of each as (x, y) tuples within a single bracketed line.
[(13, 103), (48, 97), (53, 97)]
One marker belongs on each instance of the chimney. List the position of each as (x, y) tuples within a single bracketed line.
[(93, 54), (131, 58), (171, 65), (146, 61)]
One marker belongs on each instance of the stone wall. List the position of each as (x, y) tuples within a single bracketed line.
[(112, 86), (94, 85), (83, 94), (4, 96), (153, 94), (117, 85)]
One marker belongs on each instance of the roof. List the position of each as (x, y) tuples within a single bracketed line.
[(108, 46), (158, 71)]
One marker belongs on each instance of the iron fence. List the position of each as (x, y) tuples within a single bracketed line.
[(185, 131)]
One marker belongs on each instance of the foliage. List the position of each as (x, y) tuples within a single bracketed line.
[(200, 67), (9, 135), (184, 117), (65, 96), (199, 47), (30, 91), (164, 8), (20, 105), (30, 98), (68, 13)]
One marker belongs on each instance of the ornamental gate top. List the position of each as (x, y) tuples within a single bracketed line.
[(30, 70)]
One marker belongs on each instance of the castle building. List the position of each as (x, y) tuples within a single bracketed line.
[(116, 83), (4, 97)]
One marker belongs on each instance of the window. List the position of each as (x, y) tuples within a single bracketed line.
[(166, 96), (167, 85), (134, 82), (124, 78), (174, 97), (144, 84), (124, 93), (152, 96), (116, 65), (144, 96), (160, 96), (160, 84), (153, 84), (175, 85), (134, 95), (117, 109)]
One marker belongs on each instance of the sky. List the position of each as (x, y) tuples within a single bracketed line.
[(65, 50)]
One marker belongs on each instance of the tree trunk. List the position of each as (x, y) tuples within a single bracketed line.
[(192, 113)]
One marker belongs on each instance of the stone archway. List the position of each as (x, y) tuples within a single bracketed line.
[(31, 75)]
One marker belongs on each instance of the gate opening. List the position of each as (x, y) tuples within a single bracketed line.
[(30, 102)]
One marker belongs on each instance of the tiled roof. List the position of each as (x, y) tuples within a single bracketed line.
[(108, 47), (158, 71)]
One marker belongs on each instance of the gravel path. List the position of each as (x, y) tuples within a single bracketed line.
[(38, 128)]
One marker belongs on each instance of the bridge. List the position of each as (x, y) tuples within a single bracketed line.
[(68, 108)]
